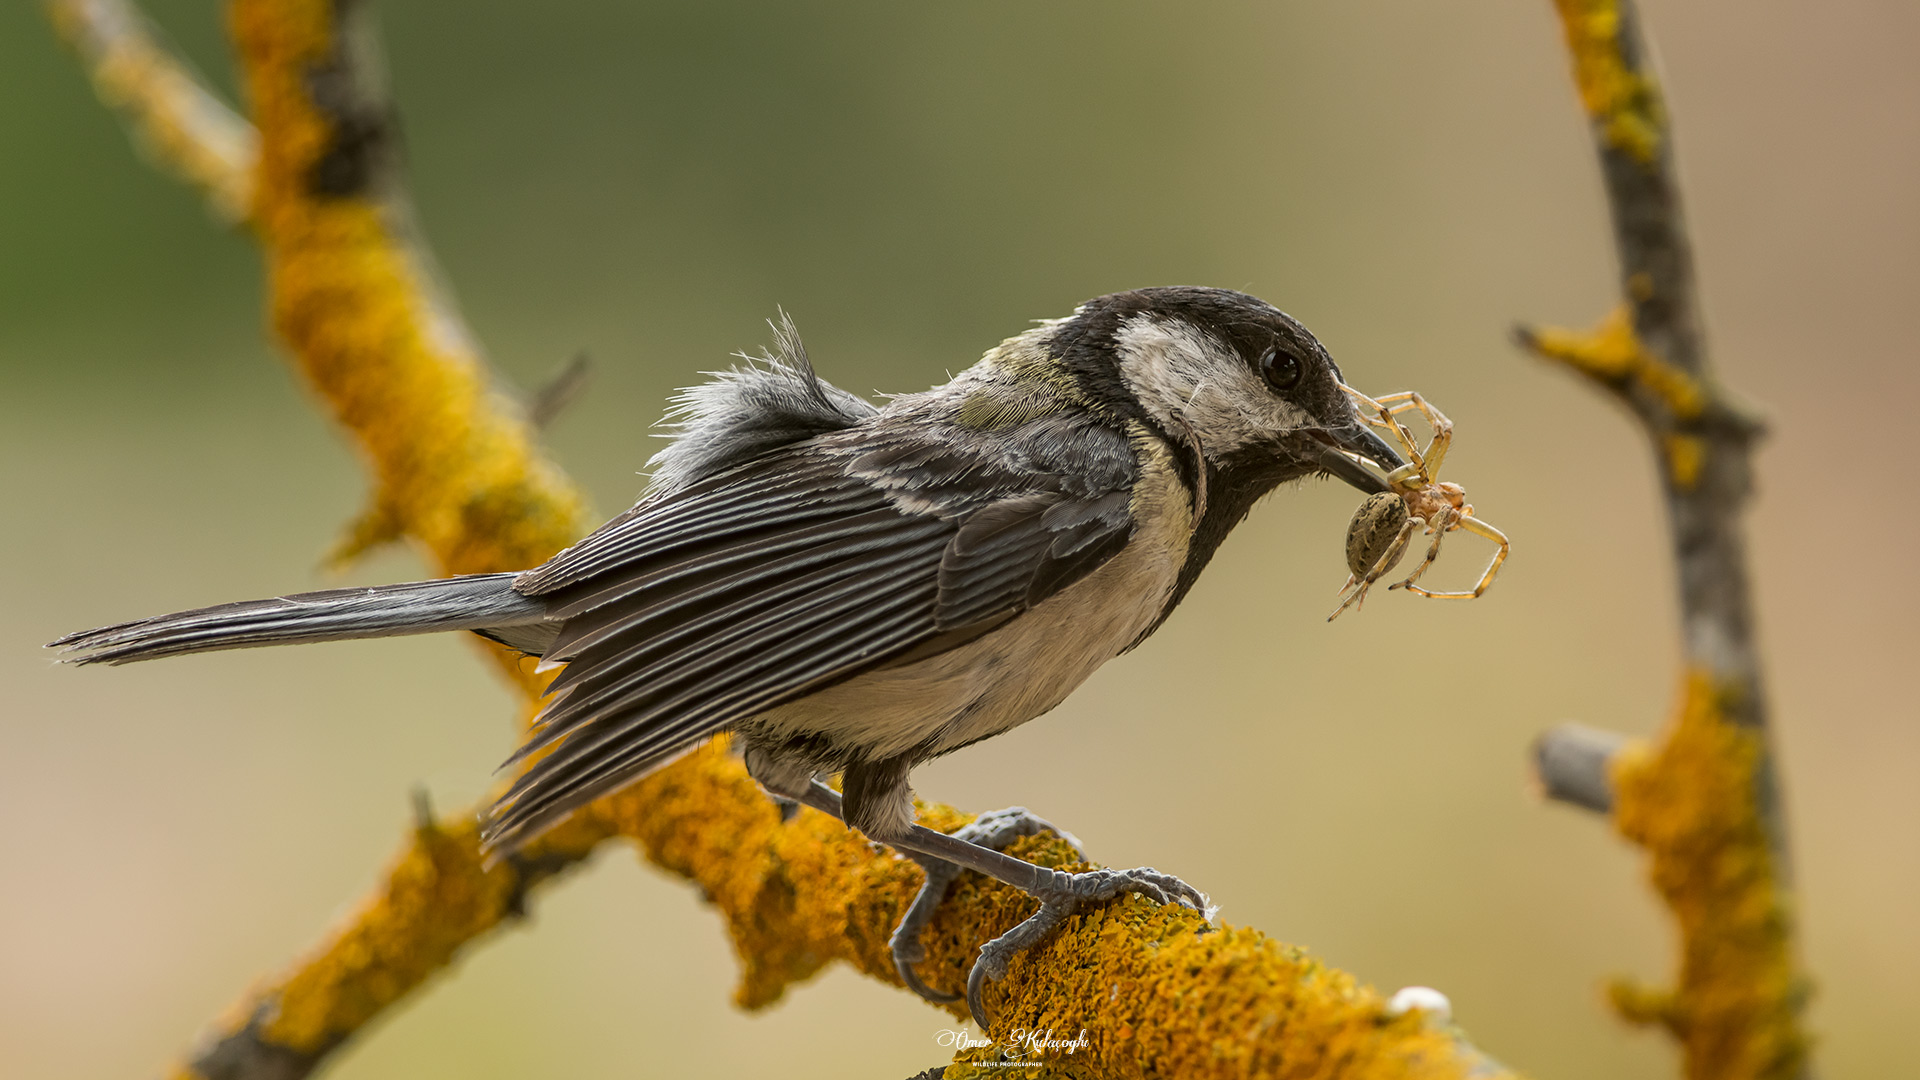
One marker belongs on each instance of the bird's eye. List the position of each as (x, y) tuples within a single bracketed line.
[(1281, 370)]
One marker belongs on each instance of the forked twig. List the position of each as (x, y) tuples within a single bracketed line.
[(1704, 801)]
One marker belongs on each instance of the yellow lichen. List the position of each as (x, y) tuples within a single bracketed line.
[(435, 898), (1612, 353), (1622, 98), (437, 895), (1154, 998), (1691, 802), (1685, 455), (376, 526), (1157, 991), (455, 470)]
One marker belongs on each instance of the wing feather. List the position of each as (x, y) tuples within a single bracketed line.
[(786, 545), (620, 672), (546, 793), (781, 487), (732, 595), (1016, 552), (805, 656)]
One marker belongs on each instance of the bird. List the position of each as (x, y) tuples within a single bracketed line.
[(852, 589)]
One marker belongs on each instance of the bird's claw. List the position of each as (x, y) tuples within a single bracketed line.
[(908, 952), (1060, 898), (994, 829)]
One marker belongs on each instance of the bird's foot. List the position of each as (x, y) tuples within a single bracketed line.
[(994, 830), (1059, 898), (1059, 893)]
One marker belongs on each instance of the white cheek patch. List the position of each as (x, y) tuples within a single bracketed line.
[(1173, 365)]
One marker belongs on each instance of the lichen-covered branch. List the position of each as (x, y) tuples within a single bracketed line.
[(458, 472), (1158, 991), (1704, 800), (456, 467), (437, 897), (189, 129), (1692, 800)]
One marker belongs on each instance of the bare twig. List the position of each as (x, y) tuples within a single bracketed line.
[(1573, 764), (1704, 802), (560, 391), (190, 130)]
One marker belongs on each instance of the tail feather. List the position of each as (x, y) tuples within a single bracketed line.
[(474, 602)]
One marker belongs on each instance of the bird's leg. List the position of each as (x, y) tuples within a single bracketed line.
[(1059, 893), (994, 830)]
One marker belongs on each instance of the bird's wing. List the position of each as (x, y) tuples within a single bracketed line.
[(799, 569)]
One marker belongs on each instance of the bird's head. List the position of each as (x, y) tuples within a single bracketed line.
[(1228, 374)]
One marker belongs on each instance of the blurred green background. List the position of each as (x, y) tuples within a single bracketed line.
[(646, 181)]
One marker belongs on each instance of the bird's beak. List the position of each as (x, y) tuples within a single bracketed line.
[(1340, 447)]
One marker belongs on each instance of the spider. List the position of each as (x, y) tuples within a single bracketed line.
[(1383, 526)]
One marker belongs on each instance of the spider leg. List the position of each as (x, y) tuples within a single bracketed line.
[(1478, 528), (1403, 401), (1444, 521), (1407, 477), (1413, 475), (1409, 400), (1360, 400), (1388, 560)]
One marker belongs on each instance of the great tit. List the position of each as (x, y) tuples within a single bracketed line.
[(855, 589)]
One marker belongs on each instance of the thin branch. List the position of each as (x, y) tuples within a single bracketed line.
[(456, 469), (437, 897), (560, 391), (191, 131), (1574, 764), (1704, 802)]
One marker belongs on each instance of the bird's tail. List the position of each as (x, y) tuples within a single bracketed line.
[(474, 602)]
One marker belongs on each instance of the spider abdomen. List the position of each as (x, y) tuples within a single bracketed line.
[(1375, 527)]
